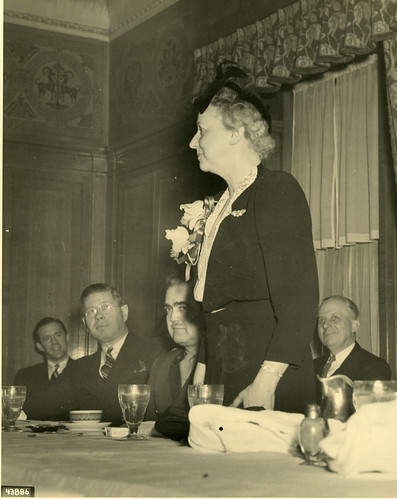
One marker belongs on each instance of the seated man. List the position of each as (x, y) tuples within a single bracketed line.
[(337, 327), (47, 396), (171, 373), (122, 356)]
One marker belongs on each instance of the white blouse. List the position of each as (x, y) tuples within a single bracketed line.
[(221, 211)]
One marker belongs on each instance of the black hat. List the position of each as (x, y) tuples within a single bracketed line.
[(225, 71)]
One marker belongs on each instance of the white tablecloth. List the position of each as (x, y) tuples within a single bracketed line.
[(91, 466)]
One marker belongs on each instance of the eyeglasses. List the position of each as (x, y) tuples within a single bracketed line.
[(104, 309)]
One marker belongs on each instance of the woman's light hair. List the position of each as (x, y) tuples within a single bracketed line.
[(237, 112)]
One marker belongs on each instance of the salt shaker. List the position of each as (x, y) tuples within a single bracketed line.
[(313, 428)]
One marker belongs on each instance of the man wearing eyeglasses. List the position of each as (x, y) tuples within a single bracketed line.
[(122, 356)]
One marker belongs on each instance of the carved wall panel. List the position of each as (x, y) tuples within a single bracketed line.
[(47, 218), (54, 86), (151, 76)]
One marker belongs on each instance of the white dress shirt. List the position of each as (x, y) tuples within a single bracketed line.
[(115, 352), (339, 359), (51, 366)]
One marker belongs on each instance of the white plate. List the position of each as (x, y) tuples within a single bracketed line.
[(86, 426)]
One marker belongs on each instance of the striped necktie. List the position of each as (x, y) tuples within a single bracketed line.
[(107, 366), (55, 373), (327, 365)]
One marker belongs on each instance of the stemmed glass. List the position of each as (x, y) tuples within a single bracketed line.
[(133, 401), (12, 400), (205, 394)]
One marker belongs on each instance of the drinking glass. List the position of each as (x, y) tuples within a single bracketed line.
[(12, 400), (133, 401), (205, 394), (368, 392)]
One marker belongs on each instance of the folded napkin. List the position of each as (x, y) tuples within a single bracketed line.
[(367, 442), (214, 428)]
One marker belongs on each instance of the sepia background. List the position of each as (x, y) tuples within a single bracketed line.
[(97, 121)]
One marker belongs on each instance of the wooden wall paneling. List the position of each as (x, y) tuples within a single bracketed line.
[(6, 273), (48, 258), (134, 248), (387, 234), (151, 67)]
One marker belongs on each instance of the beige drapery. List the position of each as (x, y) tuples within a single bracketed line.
[(353, 272), (335, 160), (335, 154)]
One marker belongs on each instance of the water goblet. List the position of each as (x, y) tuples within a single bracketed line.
[(205, 394), (133, 401), (12, 400)]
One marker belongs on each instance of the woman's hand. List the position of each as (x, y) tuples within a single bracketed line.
[(261, 391)]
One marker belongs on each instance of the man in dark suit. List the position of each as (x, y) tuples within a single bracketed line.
[(337, 327), (122, 356), (173, 371), (47, 395)]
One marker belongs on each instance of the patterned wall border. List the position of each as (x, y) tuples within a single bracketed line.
[(85, 30)]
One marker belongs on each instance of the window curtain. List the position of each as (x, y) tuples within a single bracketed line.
[(335, 160), (304, 38), (335, 154), (353, 272)]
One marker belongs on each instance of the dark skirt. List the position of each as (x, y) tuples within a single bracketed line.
[(236, 343)]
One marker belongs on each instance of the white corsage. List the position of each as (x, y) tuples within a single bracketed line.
[(186, 239)]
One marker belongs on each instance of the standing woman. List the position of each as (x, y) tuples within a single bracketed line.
[(256, 274)]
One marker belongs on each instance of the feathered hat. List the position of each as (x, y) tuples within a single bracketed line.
[(225, 72)]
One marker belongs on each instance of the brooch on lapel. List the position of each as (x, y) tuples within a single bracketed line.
[(237, 213)]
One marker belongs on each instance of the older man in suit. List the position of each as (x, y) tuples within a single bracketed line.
[(122, 356), (337, 327), (47, 393)]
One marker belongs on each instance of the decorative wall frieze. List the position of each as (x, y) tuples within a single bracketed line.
[(108, 21), (47, 23), (53, 86)]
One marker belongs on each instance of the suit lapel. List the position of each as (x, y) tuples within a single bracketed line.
[(126, 364), (350, 363), (91, 380)]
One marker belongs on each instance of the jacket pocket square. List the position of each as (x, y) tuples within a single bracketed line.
[(141, 367)]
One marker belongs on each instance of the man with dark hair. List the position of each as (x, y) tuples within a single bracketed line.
[(173, 371), (47, 395), (338, 323), (122, 356)]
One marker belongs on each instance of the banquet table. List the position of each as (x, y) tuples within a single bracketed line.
[(68, 464)]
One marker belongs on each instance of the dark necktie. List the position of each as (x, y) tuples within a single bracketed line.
[(107, 366), (55, 374), (327, 365), (186, 366)]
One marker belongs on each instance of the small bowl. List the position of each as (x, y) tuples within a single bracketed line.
[(85, 415)]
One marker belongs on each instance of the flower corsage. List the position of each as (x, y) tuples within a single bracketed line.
[(187, 238)]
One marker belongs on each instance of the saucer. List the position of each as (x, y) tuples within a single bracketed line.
[(86, 426)]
